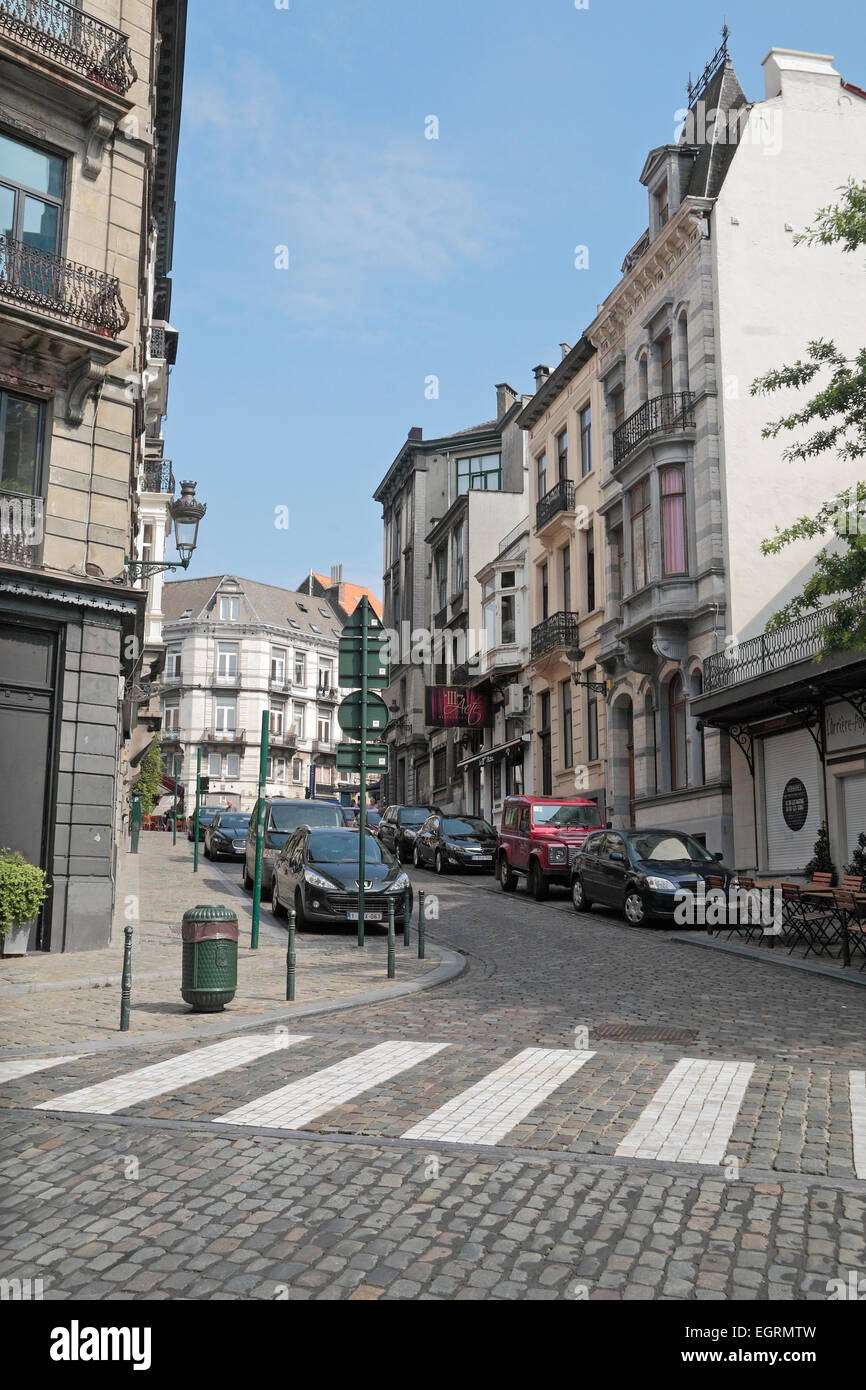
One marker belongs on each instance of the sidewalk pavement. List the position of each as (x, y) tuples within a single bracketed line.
[(69, 1000)]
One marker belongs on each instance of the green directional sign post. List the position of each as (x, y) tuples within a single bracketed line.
[(362, 715)]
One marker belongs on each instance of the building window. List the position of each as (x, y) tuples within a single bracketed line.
[(21, 431), (651, 744), (673, 494), (233, 765), (590, 569), (439, 770), (326, 674), (170, 718), (323, 725), (396, 536), (276, 720), (567, 733), (508, 626), (31, 206), (297, 770), (483, 472), (395, 601), (323, 775), (229, 609), (279, 769), (441, 577), (172, 661), (667, 366), (702, 748), (278, 663), (617, 407), (661, 202), (616, 564), (226, 714), (544, 743), (227, 658), (677, 711), (298, 719), (683, 351), (585, 442), (489, 617), (639, 500), (544, 592), (541, 474), (562, 455), (147, 541), (497, 780), (643, 378), (458, 559), (300, 668), (591, 718), (214, 764)]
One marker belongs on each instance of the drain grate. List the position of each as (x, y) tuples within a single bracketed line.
[(643, 1032)]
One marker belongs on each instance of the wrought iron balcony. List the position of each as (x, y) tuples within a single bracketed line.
[(560, 498), (158, 476), (324, 745), (21, 528), (50, 285), (224, 678), (559, 630), (661, 414), (224, 736), (287, 739), (771, 651), (327, 694), (79, 41)]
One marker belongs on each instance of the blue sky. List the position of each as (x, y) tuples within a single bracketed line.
[(408, 257)]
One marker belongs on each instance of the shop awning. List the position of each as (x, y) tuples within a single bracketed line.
[(488, 755)]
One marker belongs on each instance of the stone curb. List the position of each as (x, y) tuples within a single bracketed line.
[(827, 972)]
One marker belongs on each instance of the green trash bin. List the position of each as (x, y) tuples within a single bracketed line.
[(209, 975)]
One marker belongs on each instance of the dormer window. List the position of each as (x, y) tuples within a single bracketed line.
[(229, 609), (661, 205)]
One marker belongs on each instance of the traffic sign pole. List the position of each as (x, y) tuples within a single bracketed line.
[(260, 831), (174, 821), (362, 840), (197, 802)]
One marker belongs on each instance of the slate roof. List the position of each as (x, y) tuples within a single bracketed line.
[(264, 604)]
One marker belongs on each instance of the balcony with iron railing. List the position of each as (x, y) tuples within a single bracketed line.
[(158, 476), (225, 677), (662, 414), (21, 529), (327, 694), (559, 630), (800, 640), (285, 739), (559, 499), (324, 746), (75, 41), (48, 285), (224, 736)]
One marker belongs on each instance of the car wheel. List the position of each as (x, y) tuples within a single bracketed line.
[(537, 885), (634, 908), (248, 883), (276, 906), (579, 901), (300, 916), (440, 863), (507, 876), (416, 858)]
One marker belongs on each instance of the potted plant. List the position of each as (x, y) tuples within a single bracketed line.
[(22, 893)]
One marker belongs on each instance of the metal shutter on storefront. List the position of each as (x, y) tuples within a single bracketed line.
[(855, 812), (787, 756)]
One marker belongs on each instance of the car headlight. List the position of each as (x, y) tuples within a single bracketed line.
[(557, 854), (661, 885), (316, 880), (409, 834), (733, 881), (400, 884)]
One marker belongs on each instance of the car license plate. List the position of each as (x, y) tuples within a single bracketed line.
[(486, 857), (368, 916)]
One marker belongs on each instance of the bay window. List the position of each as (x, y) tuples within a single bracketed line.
[(639, 503), (673, 501)]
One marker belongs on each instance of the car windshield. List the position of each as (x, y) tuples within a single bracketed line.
[(289, 815), (467, 825), (206, 813), (234, 821), (342, 847), (413, 815), (662, 846), (373, 817), (565, 814)]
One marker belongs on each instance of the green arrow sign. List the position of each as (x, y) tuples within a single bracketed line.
[(349, 716), (349, 757)]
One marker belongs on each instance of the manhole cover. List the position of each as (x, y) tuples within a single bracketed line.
[(643, 1032)]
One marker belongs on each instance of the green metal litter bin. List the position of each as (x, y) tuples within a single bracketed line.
[(210, 958)]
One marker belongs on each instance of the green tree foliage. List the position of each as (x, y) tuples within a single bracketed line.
[(822, 863), (835, 421), (149, 784), (858, 857)]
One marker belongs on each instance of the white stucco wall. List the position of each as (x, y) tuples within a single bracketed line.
[(772, 297)]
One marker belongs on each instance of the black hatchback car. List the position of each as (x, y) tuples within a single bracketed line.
[(316, 873), (641, 871), (205, 816), (399, 826), (455, 842)]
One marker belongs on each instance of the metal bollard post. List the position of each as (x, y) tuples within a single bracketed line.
[(420, 923), (126, 980), (290, 958), (407, 920), (391, 939)]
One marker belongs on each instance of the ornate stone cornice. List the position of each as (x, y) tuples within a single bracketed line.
[(99, 131)]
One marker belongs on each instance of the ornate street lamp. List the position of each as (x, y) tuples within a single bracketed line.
[(575, 655), (186, 513)]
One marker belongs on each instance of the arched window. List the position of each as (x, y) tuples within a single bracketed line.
[(649, 715), (683, 351), (702, 752), (677, 716), (673, 500)]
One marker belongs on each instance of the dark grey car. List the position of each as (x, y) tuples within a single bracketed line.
[(282, 818), (316, 873)]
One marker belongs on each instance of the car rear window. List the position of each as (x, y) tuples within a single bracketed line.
[(413, 815), (566, 814), (288, 816)]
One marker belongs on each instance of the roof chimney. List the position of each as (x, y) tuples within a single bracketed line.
[(788, 68), (541, 374), (565, 349), (336, 575), (505, 398), (415, 433)]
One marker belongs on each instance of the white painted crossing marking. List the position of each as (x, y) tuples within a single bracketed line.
[(857, 1094), (692, 1115), (13, 1067), (300, 1102), (488, 1110), (131, 1087)]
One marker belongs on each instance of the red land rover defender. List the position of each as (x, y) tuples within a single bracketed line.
[(537, 837)]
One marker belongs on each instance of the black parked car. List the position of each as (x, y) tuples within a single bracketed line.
[(227, 834), (641, 871), (205, 816), (282, 816), (316, 872), (455, 842), (399, 826)]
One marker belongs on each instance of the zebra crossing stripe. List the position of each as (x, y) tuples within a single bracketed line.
[(485, 1112), (13, 1067), (857, 1095), (302, 1101), (692, 1114), (131, 1087)]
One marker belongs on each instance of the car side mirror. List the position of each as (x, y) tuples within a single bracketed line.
[(608, 825), (617, 854), (718, 855)]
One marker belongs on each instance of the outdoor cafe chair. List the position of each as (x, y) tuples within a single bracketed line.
[(810, 921)]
